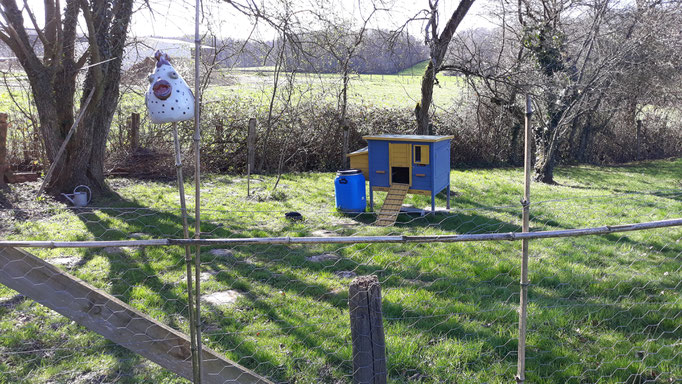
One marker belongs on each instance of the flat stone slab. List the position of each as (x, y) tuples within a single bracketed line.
[(239, 180), (344, 222), (66, 261), (322, 257), (222, 298), (222, 253), (114, 251), (345, 274), (324, 233), (407, 208), (206, 276), (90, 377)]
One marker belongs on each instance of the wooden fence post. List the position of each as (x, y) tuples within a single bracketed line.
[(3, 147), (219, 130), (638, 140), (134, 131), (251, 153), (367, 331)]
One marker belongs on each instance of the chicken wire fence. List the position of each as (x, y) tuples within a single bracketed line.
[(602, 309)]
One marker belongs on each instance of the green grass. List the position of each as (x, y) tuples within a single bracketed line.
[(401, 90), (602, 308), (415, 70), (391, 91)]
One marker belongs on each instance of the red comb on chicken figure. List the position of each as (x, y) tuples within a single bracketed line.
[(169, 99)]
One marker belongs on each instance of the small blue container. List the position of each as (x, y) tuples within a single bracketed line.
[(349, 189)]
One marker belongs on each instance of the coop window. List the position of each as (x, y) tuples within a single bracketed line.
[(421, 154)]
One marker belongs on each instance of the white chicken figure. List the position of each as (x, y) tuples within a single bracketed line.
[(169, 99)]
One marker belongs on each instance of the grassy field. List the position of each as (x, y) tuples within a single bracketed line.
[(602, 309), (415, 70), (391, 91)]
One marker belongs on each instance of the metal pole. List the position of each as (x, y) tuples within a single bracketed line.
[(523, 304), (400, 239), (188, 255), (197, 182)]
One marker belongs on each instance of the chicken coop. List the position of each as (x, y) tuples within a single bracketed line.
[(402, 164)]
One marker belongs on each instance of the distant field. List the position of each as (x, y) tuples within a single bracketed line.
[(415, 70), (393, 91)]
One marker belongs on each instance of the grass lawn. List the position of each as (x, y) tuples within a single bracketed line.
[(388, 91), (415, 70), (602, 309)]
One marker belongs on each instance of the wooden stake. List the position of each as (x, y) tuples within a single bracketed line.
[(523, 304), (134, 131), (251, 144), (3, 148), (367, 331)]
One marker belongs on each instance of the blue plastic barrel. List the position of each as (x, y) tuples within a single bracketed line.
[(349, 189)]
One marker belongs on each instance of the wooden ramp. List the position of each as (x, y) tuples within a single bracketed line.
[(100, 312), (391, 208)]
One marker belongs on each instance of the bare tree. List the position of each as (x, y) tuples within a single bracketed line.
[(557, 51), (565, 75), (338, 38), (438, 46), (53, 78)]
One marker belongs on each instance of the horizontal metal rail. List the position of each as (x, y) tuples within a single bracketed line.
[(506, 236)]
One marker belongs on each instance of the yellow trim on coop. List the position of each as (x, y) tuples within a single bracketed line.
[(424, 154)]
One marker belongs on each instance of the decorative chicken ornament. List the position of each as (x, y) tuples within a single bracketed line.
[(169, 99)]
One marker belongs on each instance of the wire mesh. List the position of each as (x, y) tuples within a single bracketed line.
[(601, 308)]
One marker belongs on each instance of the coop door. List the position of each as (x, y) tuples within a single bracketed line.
[(401, 163)]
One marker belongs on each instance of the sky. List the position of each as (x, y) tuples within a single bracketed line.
[(174, 18)]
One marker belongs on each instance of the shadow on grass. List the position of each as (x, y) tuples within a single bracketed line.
[(474, 308), (609, 178)]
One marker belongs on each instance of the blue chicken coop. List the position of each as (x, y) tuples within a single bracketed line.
[(401, 164)]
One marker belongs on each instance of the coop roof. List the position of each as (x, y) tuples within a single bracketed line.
[(362, 151), (418, 138)]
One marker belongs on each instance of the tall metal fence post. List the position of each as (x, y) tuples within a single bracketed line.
[(523, 302), (367, 331), (188, 257), (197, 185)]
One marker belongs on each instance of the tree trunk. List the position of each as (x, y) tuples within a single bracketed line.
[(439, 47), (544, 169), (85, 154), (344, 110), (631, 125), (583, 146), (547, 138), (421, 111), (53, 84), (514, 148)]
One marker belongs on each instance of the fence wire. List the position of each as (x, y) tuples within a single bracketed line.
[(602, 309)]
